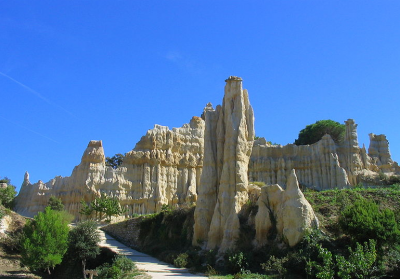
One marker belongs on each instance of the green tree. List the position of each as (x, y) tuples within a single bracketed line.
[(121, 268), (314, 132), (86, 209), (45, 240), (55, 204), (102, 205), (7, 194), (363, 220), (84, 239), (115, 161)]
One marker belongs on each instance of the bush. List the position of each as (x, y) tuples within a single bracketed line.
[(363, 220), (276, 265), (84, 239), (121, 268), (45, 240), (181, 260), (361, 262), (55, 204), (314, 132), (7, 195), (236, 262)]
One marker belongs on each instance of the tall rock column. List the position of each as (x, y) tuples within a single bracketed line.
[(224, 181)]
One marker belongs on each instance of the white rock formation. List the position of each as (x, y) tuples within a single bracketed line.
[(223, 187), (287, 210), (325, 164), (164, 168)]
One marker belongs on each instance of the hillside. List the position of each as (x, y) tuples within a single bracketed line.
[(10, 260), (167, 235)]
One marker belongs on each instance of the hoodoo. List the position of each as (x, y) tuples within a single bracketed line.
[(211, 162), (229, 136)]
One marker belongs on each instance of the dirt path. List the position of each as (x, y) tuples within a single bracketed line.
[(153, 267)]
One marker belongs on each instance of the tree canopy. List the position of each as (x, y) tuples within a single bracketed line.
[(7, 194), (102, 205), (314, 132), (55, 204), (45, 240), (115, 161), (84, 239)]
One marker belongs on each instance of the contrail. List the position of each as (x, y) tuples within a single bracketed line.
[(37, 94), (32, 131)]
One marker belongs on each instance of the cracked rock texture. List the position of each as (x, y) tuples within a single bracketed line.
[(211, 161), (223, 190)]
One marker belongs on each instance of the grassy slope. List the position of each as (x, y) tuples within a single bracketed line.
[(328, 204), (167, 234)]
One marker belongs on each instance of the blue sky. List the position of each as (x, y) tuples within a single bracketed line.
[(75, 71)]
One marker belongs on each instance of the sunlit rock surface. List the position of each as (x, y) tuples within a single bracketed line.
[(224, 183), (166, 167)]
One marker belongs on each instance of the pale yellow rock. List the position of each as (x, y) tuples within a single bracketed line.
[(292, 214), (297, 213), (224, 182), (167, 166), (164, 168)]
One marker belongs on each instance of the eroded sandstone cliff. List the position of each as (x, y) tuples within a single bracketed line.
[(223, 186), (166, 167)]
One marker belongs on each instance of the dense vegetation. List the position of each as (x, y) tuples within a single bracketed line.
[(7, 194), (103, 205), (314, 132), (358, 238), (115, 161), (45, 240), (46, 244)]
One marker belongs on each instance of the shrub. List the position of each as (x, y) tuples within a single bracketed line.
[(363, 220), (236, 262), (55, 204), (83, 241), (181, 260), (7, 195), (314, 132), (361, 262), (45, 240), (121, 268), (275, 264), (324, 270)]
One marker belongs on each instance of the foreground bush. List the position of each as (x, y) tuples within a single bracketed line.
[(363, 220), (121, 268), (84, 239), (45, 240)]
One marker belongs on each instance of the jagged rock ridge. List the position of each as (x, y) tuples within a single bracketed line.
[(166, 166)]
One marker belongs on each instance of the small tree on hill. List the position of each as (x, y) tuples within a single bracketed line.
[(7, 194), (55, 204), (84, 239), (314, 132), (102, 205), (45, 240), (364, 220), (115, 161), (86, 209)]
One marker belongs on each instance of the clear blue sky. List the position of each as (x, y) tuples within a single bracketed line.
[(75, 71)]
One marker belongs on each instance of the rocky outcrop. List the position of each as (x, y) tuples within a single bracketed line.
[(164, 168), (316, 165), (223, 186), (208, 162), (286, 211), (379, 152), (325, 164)]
